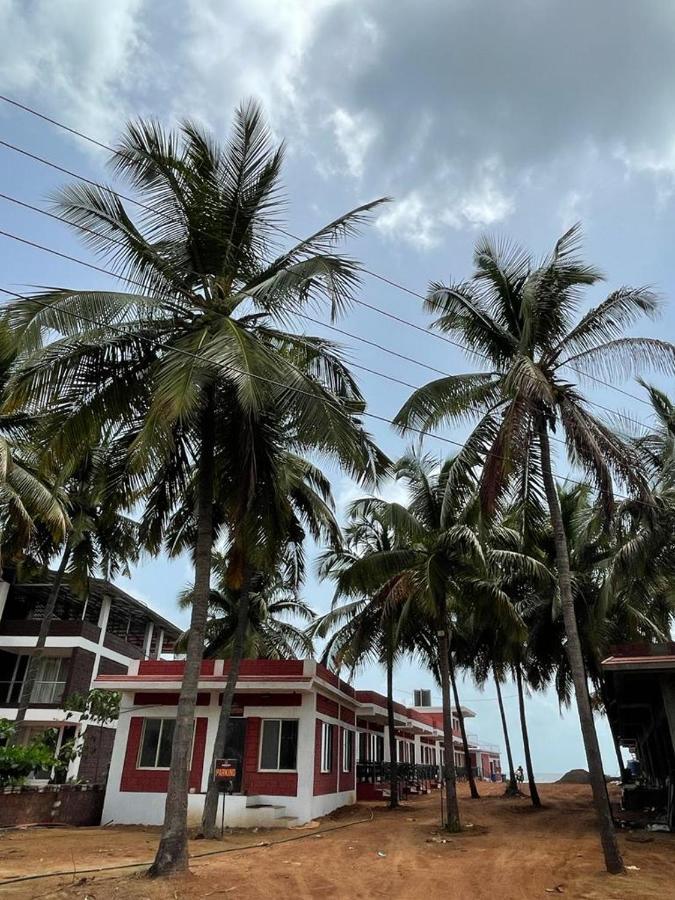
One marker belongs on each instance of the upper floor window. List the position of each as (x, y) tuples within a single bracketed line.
[(279, 745), (50, 681)]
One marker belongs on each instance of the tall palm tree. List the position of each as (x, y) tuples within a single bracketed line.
[(439, 552), (270, 630), (28, 494), (368, 626), (520, 315), (102, 539), (202, 344)]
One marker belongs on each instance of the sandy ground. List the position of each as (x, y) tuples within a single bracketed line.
[(510, 852)]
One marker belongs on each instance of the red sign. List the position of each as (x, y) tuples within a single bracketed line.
[(225, 770)]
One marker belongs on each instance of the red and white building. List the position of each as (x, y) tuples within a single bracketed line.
[(307, 742)]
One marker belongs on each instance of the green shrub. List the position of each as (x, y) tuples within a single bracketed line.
[(16, 761)]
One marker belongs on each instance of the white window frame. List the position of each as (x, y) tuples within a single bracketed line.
[(346, 743), (327, 747), (140, 744), (262, 729), (54, 688)]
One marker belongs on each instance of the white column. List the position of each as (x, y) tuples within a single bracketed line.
[(160, 644), (387, 757), (305, 760), (147, 640), (103, 617)]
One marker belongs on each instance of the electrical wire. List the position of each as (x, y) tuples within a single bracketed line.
[(232, 369), (383, 278)]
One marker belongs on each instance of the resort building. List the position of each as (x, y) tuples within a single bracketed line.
[(302, 742), (100, 634), (639, 689)]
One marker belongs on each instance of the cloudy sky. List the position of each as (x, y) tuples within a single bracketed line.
[(514, 118)]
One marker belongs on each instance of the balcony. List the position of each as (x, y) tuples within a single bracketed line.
[(58, 628)]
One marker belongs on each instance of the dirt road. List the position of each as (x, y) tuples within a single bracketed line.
[(510, 853)]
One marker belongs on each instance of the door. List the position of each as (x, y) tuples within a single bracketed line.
[(234, 748)]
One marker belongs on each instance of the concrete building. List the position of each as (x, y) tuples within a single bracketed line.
[(304, 741), (639, 686), (100, 634)]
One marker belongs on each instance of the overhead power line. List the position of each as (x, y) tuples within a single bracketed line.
[(318, 322), (383, 278), (155, 342)]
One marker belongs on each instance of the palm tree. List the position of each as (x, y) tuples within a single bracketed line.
[(366, 627), (27, 493), (200, 346), (439, 553), (270, 633), (519, 316), (102, 538)]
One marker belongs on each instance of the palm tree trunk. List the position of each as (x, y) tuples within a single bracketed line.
[(610, 847), (209, 829), (172, 852), (462, 727), (452, 821), (391, 728), (534, 793), (34, 658), (513, 784)]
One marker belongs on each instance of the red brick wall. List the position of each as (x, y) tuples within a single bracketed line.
[(268, 667), (80, 672), (157, 780), (96, 754), (347, 715), (282, 784), (110, 667), (347, 779), (175, 667), (325, 782), (326, 706), (65, 804)]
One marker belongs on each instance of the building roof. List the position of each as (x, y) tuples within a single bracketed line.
[(641, 657), (100, 588)]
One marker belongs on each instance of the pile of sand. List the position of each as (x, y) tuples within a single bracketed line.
[(575, 776)]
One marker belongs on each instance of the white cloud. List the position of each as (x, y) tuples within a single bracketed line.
[(354, 136), (79, 58), (446, 200)]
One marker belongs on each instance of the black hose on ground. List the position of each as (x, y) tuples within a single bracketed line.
[(296, 837)]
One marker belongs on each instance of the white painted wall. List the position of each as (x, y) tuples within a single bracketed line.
[(147, 808)]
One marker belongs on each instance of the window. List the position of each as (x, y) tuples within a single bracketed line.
[(156, 744), (326, 747), (347, 750), (50, 680), (279, 745), (363, 746)]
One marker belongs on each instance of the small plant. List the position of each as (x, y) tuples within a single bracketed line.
[(18, 761), (97, 709)]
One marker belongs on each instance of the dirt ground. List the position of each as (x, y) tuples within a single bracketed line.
[(509, 852)]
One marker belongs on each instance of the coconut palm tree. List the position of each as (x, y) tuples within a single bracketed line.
[(368, 626), (439, 551), (28, 494), (270, 633), (202, 342), (520, 317), (102, 539)]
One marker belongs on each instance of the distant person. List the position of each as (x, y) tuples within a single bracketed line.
[(520, 775)]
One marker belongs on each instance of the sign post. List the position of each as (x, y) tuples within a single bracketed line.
[(224, 774)]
